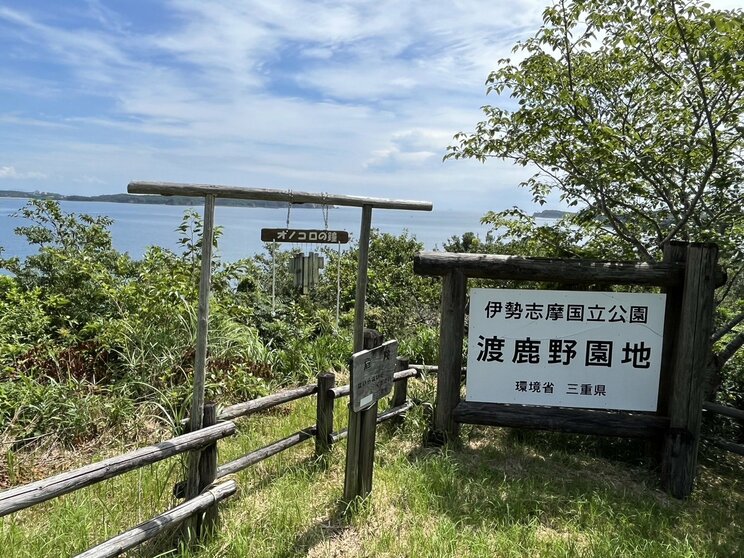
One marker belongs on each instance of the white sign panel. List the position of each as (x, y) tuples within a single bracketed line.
[(597, 350)]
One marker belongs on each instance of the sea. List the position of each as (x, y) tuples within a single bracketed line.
[(137, 226)]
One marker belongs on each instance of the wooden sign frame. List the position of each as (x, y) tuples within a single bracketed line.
[(688, 275)]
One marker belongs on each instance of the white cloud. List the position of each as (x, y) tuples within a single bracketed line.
[(10, 173), (353, 96)]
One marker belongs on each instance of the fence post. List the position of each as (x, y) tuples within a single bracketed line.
[(324, 414), (207, 522), (689, 368), (400, 390), (451, 333)]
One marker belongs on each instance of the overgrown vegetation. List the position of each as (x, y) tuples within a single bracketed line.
[(90, 338)]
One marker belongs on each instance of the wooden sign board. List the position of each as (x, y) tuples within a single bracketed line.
[(316, 236), (372, 374), (597, 350)]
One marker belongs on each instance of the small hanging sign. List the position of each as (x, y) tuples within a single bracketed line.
[(316, 236), (372, 374)]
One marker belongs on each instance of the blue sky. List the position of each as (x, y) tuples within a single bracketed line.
[(349, 97)]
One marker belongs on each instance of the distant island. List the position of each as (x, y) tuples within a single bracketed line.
[(144, 199), (551, 214)]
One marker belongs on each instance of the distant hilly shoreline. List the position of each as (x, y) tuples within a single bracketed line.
[(188, 201), (143, 199)]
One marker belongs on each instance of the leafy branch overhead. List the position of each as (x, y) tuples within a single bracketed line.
[(632, 112)]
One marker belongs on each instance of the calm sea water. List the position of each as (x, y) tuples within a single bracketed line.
[(138, 226)]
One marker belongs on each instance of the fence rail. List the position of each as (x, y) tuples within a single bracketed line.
[(203, 440), (152, 528), (727, 411), (16, 499)]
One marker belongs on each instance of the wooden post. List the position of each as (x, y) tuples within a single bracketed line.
[(675, 252), (200, 360), (351, 480), (690, 362), (400, 390), (324, 414), (451, 333), (207, 523)]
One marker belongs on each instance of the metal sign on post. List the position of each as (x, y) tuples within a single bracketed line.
[(372, 374), (311, 236), (598, 350)]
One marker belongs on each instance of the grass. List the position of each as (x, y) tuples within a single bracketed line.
[(502, 493)]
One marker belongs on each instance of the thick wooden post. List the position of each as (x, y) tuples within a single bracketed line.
[(451, 333), (353, 444), (324, 414), (200, 359), (208, 521), (674, 252), (400, 391), (690, 362)]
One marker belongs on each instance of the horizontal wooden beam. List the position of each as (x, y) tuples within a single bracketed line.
[(344, 391), (265, 452), (728, 446), (152, 528), (382, 417), (725, 410), (558, 419), (27, 495), (495, 266), (267, 402), (265, 194)]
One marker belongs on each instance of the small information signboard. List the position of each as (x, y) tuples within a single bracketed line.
[(565, 348), (372, 374), (315, 236)]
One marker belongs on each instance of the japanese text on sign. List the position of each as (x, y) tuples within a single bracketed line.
[(305, 235), (372, 374), (565, 348)]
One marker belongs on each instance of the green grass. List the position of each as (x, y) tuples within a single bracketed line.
[(502, 493)]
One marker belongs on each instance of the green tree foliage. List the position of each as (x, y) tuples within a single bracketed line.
[(633, 112)]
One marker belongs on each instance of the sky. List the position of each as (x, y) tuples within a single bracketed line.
[(357, 97)]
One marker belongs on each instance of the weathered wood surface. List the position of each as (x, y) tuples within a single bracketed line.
[(206, 523), (382, 417), (496, 266), (202, 331), (265, 194), (559, 419), (728, 446), (690, 366), (400, 389), (324, 414), (264, 403), (21, 497), (152, 528), (356, 420), (674, 252), (724, 410), (345, 390), (264, 453), (451, 333)]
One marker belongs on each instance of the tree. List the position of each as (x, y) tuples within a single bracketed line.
[(633, 112)]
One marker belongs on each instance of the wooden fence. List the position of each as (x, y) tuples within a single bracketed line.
[(730, 412), (201, 511)]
